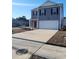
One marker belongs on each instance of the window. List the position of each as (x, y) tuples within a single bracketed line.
[(54, 11), (57, 11), (42, 12), (34, 13)]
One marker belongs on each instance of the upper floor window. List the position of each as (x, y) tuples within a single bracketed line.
[(42, 12), (34, 13), (54, 11), (57, 10)]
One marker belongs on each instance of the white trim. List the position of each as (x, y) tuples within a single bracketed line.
[(60, 19)]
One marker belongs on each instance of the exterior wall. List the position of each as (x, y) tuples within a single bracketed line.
[(34, 24), (48, 15), (61, 17), (64, 22), (33, 16)]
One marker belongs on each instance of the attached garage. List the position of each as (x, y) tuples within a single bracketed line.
[(46, 24)]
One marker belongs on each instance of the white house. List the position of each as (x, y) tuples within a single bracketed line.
[(47, 16)]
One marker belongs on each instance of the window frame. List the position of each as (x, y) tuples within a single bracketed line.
[(54, 11)]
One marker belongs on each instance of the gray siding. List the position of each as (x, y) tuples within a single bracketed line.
[(48, 15), (33, 16)]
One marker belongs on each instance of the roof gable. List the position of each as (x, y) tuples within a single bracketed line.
[(48, 3)]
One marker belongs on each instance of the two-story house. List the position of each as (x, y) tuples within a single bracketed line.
[(47, 16)]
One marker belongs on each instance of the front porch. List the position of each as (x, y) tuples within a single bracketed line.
[(34, 24)]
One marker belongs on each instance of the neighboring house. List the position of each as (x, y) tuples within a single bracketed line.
[(15, 23), (47, 16), (20, 22)]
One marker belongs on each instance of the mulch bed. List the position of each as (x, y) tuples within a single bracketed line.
[(59, 39)]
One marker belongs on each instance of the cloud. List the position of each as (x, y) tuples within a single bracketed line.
[(22, 4)]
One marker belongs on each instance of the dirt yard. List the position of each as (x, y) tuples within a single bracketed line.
[(58, 39), (19, 30)]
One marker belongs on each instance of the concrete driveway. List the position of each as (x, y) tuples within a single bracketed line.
[(41, 35)]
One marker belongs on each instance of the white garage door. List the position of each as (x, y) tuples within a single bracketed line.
[(48, 25)]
